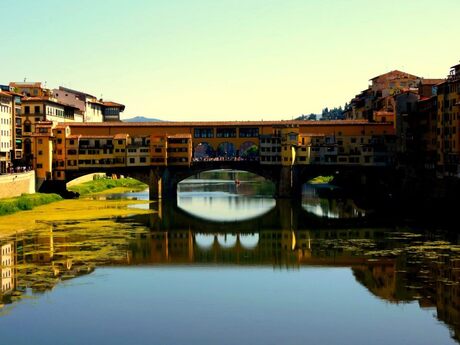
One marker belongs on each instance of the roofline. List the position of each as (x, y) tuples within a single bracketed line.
[(223, 123), (5, 93), (28, 99), (66, 89), (396, 70)]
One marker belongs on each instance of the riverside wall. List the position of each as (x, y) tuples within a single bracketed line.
[(12, 185)]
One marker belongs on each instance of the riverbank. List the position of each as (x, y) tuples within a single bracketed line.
[(26, 202), (68, 211), (108, 185)]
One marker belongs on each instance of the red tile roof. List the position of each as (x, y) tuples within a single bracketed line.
[(95, 101), (113, 104), (396, 72), (26, 84), (47, 99), (5, 93)]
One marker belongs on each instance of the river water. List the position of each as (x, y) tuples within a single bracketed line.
[(227, 264)]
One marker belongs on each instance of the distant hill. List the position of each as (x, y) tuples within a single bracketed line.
[(141, 119)]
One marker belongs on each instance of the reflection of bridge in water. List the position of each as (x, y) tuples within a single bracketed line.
[(282, 236), (290, 243)]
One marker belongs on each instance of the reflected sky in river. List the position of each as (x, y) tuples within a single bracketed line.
[(237, 197), (285, 277)]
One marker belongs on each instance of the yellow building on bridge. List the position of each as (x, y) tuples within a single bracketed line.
[(72, 147)]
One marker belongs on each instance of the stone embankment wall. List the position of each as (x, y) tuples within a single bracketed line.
[(12, 185)]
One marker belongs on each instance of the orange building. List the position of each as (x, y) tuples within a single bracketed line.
[(83, 146)]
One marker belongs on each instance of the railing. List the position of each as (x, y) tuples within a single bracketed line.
[(226, 159)]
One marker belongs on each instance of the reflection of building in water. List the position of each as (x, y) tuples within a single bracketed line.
[(273, 247), (432, 281), (7, 276), (329, 207), (380, 279), (447, 277), (362, 233)]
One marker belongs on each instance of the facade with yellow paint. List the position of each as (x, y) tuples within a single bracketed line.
[(448, 121), (81, 146)]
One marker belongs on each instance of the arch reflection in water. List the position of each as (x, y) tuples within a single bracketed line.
[(249, 241), (224, 208), (215, 196), (204, 241), (227, 240)]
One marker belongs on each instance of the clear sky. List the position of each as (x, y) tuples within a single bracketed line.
[(225, 59)]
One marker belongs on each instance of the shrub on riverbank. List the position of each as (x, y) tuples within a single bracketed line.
[(321, 180), (26, 202), (101, 184)]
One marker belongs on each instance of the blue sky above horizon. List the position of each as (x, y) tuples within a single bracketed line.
[(225, 60)]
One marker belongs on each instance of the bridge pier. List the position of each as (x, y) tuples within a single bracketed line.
[(155, 184), (161, 184), (288, 184)]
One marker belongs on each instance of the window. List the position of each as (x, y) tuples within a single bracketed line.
[(132, 160), (249, 132), (203, 132), (27, 126), (26, 109), (40, 141), (37, 109), (226, 132), (142, 159), (120, 142), (40, 153), (39, 166)]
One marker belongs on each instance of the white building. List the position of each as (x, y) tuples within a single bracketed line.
[(6, 135)]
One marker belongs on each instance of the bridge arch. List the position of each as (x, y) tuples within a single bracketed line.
[(226, 150), (249, 149), (203, 150)]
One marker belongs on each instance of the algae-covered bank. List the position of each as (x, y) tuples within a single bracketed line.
[(68, 211)]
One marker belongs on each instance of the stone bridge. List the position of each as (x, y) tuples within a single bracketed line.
[(288, 153), (288, 180)]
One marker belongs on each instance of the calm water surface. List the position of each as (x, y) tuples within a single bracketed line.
[(227, 264)]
